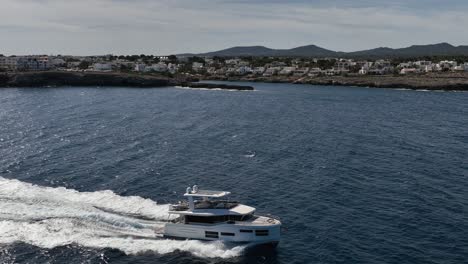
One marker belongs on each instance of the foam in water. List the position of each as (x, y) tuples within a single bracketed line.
[(50, 217)]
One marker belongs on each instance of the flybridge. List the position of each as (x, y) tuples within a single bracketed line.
[(195, 192)]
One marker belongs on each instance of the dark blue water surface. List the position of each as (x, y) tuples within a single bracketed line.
[(357, 175)]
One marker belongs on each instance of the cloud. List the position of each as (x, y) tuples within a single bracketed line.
[(144, 26)]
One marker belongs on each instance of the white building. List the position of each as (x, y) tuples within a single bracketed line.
[(271, 71), (8, 63), (104, 67), (300, 72), (408, 70), (405, 65), (344, 65), (232, 61), (330, 72), (33, 63), (422, 64), (364, 71), (243, 70), (196, 66), (287, 70), (429, 68), (436, 67), (382, 64), (314, 72), (258, 70), (159, 67), (447, 65), (339, 71), (140, 67)]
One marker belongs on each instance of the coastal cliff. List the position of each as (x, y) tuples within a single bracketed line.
[(57, 79), (45, 79), (431, 81), (424, 82)]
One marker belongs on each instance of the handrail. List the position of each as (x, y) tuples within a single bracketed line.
[(274, 217)]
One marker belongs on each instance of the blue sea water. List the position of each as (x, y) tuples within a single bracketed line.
[(357, 175)]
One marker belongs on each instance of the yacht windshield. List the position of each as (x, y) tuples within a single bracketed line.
[(216, 219), (215, 204)]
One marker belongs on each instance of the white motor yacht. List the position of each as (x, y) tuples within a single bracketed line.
[(210, 215)]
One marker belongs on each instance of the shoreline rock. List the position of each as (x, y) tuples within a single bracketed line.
[(56, 79), (435, 81), (432, 81), (59, 79)]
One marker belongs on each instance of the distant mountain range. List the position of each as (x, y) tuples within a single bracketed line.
[(441, 49)]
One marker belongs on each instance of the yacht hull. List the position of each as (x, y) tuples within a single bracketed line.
[(264, 244), (232, 233)]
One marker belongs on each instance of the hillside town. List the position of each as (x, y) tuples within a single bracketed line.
[(219, 66)]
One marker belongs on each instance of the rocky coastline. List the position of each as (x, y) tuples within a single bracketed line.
[(56, 79), (98, 79), (430, 81)]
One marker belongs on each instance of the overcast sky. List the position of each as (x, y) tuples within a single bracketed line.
[(89, 27)]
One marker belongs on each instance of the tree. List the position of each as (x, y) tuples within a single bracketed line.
[(219, 59), (196, 59), (354, 69), (172, 58), (132, 57), (186, 68), (326, 64), (125, 68), (84, 65), (71, 59)]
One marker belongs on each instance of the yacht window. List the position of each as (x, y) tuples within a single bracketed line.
[(245, 217), (216, 219), (246, 231), (215, 204), (227, 234), (261, 232), (211, 234), (204, 219)]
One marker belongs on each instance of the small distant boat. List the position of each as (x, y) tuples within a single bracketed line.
[(209, 215)]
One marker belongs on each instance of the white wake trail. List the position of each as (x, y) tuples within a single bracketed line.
[(50, 217)]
